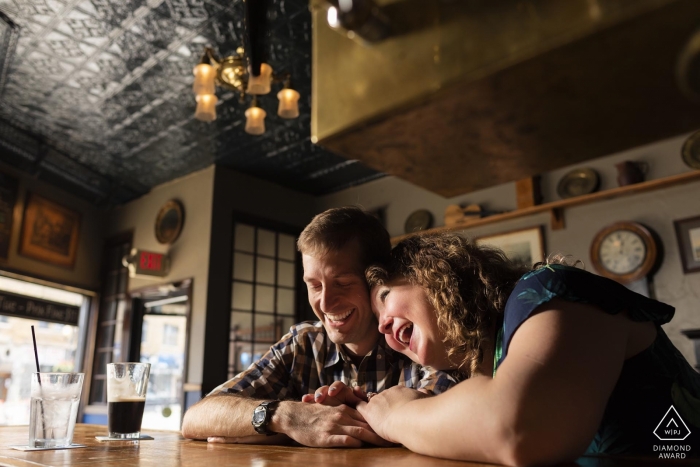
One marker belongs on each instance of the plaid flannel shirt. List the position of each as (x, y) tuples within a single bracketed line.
[(306, 359)]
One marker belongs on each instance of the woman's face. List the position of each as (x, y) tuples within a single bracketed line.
[(410, 323)]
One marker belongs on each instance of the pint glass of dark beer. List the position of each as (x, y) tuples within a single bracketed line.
[(126, 398)]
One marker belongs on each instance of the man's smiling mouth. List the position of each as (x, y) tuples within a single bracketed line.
[(339, 317)]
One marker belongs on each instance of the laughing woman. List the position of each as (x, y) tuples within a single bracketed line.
[(556, 362)]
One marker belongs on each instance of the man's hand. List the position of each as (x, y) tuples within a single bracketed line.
[(318, 425), (336, 394), (378, 411)]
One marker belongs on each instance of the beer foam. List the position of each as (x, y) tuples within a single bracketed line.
[(126, 399)]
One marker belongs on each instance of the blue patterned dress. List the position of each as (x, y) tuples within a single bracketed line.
[(650, 382)]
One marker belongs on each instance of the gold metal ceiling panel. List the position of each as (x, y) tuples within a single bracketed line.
[(440, 42), (440, 48)]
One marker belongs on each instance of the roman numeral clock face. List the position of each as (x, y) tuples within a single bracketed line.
[(622, 252), (625, 251)]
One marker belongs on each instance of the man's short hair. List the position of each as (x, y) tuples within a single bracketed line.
[(333, 229)]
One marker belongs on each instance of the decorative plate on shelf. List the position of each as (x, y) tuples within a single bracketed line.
[(691, 151), (578, 182), (418, 220), (169, 222)]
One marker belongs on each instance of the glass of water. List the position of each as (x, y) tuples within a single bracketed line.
[(54, 408)]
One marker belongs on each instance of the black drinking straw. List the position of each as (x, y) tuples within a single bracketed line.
[(38, 377), (36, 354)]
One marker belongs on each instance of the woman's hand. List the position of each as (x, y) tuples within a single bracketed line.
[(383, 408), (336, 394)]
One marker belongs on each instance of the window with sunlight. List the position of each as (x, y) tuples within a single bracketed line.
[(57, 334)]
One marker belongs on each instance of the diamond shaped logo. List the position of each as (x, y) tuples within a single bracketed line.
[(672, 427)]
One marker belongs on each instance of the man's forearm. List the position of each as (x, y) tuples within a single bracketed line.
[(227, 417), (221, 415)]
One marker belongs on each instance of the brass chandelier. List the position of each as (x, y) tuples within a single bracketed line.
[(232, 73)]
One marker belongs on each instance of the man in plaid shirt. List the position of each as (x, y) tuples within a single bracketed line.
[(345, 345)]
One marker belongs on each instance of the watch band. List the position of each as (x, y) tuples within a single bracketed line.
[(266, 409)]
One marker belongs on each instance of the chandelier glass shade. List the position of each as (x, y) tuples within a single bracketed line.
[(289, 103), (204, 75), (255, 120), (262, 84), (206, 107)]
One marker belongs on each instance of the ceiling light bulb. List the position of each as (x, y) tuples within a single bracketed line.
[(332, 17), (345, 5), (289, 103), (260, 84), (206, 107), (204, 75), (255, 120)]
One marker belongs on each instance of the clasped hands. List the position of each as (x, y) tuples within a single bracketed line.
[(336, 416), (377, 412), (336, 394)]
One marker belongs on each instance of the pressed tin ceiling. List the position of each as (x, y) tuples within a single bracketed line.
[(98, 98)]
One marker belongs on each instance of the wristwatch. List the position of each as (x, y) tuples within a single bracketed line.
[(262, 416)]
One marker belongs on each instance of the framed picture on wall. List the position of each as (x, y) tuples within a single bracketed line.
[(524, 246), (688, 235), (49, 232)]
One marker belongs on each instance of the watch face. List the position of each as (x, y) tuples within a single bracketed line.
[(258, 415), (622, 251)]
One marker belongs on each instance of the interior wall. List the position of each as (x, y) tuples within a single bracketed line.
[(656, 209), (236, 194), (189, 253), (85, 272)]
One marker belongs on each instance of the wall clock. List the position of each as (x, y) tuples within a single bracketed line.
[(626, 252), (169, 222)]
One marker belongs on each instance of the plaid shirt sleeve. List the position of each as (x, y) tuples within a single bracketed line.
[(269, 377), (435, 381)]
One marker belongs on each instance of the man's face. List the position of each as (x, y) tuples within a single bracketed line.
[(339, 296)]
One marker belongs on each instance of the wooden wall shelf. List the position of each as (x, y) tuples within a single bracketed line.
[(556, 208)]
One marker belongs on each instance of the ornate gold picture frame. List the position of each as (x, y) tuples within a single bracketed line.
[(49, 232)]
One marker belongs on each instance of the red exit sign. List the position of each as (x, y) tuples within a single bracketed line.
[(147, 263), (150, 261)]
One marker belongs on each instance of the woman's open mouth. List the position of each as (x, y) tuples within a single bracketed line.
[(404, 333)]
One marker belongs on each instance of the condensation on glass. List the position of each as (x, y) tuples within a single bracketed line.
[(263, 292)]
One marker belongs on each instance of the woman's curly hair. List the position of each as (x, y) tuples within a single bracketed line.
[(468, 285)]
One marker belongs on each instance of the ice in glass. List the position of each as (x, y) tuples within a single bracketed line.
[(54, 408)]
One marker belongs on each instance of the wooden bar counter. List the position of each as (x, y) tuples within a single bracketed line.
[(170, 449)]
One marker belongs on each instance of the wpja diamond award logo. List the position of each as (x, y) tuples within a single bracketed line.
[(672, 428)]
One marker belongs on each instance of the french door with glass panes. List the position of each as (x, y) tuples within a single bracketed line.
[(263, 292)]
